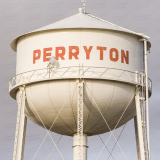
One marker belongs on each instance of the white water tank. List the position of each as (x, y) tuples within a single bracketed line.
[(106, 57)]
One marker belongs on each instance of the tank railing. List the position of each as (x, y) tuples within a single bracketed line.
[(78, 72)]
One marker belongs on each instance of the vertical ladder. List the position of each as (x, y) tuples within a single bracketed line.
[(80, 119)]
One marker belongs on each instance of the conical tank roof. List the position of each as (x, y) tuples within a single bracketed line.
[(79, 20)]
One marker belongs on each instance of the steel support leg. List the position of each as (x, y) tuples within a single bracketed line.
[(147, 105), (136, 135), (139, 129), (20, 127), (79, 154), (76, 147)]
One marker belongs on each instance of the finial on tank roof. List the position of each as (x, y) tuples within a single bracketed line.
[(80, 10)]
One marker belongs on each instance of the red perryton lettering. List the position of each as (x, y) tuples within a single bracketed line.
[(74, 53)]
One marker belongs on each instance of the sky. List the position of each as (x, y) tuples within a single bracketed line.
[(20, 16)]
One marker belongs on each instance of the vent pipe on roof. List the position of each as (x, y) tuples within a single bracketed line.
[(84, 6)]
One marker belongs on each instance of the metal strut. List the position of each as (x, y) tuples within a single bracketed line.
[(147, 105), (142, 118), (139, 121), (80, 119), (139, 129), (20, 127)]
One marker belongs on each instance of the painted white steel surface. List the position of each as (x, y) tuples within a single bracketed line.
[(20, 127), (147, 105), (111, 96), (139, 126), (80, 37), (80, 119), (49, 97), (76, 147), (137, 137), (80, 21)]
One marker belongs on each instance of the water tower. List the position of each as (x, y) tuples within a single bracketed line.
[(82, 76)]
